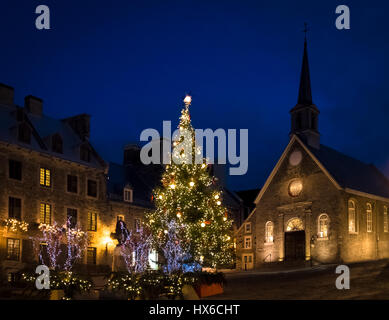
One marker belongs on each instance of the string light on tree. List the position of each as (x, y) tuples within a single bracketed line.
[(191, 203)]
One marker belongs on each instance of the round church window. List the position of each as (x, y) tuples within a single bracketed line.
[(295, 158), (295, 187)]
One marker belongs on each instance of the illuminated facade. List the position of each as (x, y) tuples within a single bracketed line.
[(318, 205)]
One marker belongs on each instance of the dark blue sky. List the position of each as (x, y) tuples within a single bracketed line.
[(128, 63)]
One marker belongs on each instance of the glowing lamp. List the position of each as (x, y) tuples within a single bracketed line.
[(217, 197), (218, 203), (191, 183), (202, 224)]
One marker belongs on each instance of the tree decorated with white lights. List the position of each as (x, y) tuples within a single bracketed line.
[(189, 197)]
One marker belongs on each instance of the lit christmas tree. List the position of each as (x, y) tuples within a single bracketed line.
[(189, 198)]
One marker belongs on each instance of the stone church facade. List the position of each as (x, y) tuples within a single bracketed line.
[(317, 205)]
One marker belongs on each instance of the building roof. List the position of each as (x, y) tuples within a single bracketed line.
[(248, 196), (141, 179), (352, 173), (43, 128)]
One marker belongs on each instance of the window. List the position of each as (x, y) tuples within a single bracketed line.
[(137, 225), (295, 224), (72, 218), (15, 208), (92, 221), (13, 249), (15, 170), (57, 144), (247, 227), (120, 218), (386, 229), (323, 226), (24, 133), (85, 153), (295, 188), (91, 256), (269, 227), (352, 219), (45, 177), (369, 218), (45, 213), (72, 184), (127, 195), (92, 188), (247, 242)]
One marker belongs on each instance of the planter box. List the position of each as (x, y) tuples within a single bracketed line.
[(206, 290)]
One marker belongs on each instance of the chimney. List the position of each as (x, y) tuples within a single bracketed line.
[(33, 105), (80, 124), (6, 94), (131, 154)]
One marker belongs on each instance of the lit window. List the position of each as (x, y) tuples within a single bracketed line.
[(247, 227), (323, 226), (295, 224), (45, 213), (13, 249), (247, 242), (45, 177), (269, 227), (386, 229), (369, 218), (91, 256), (127, 195), (352, 217), (92, 221), (295, 188)]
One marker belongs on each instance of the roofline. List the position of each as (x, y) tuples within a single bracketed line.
[(6, 143), (241, 226), (367, 195)]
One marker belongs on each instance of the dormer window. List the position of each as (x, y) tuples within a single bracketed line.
[(85, 153), (127, 195), (24, 133), (57, 144)]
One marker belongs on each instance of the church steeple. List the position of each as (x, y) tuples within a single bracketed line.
[(304, 116), (305, 94)]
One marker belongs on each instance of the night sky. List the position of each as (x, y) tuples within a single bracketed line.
[(129, 63)]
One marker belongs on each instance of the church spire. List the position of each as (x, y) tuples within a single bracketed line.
[(305, 94), (305, 115)]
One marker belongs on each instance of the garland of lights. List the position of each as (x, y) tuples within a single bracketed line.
[(14, 225)]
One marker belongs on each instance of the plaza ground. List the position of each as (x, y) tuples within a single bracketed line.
[(368, 280)]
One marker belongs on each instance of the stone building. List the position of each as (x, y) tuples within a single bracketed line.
[(50, 173), (317, 205)]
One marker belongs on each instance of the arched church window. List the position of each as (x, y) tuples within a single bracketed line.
[(294, 224), (386, 229), (352, 217), (269, 228), (323, 225), (369, 218)]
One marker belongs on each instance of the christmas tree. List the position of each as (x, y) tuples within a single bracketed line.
[(190, 199)]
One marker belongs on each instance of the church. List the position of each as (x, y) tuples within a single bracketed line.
[(318, 205)]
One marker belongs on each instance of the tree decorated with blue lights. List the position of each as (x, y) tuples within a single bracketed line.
[(189, 200)]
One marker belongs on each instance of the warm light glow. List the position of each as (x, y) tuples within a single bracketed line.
[(107, 241), (160, 197), (179, 215), (295, 188), (191, 183), (165, 231), (217, 197), (202, 224), (172, 186), (224, 218), (188, 100), (203, 166), (218, 203)]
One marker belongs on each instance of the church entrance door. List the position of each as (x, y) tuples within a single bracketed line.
[(295, 245)]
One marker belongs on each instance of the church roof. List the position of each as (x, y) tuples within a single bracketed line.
[(352, 173), (305, 94)]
